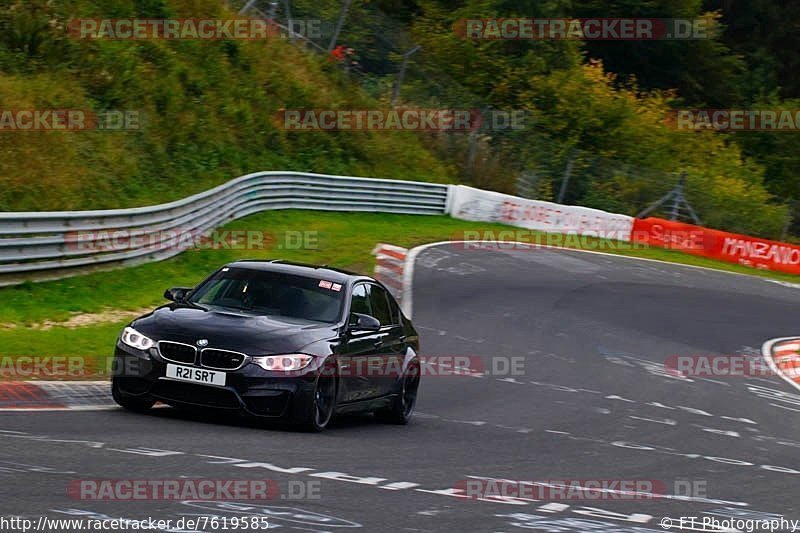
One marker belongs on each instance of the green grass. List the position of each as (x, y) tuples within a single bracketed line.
[(343, 240), (91, 342)]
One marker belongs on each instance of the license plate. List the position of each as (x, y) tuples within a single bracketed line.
[(196, 375)]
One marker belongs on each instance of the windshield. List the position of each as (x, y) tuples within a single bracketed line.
[(272, 294)]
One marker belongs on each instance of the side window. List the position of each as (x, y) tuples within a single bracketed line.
[(360, 300), (380, 305), (397, 317)]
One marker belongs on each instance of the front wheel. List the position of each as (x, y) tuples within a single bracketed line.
[(138, 405), (403, 405), (324, 401)]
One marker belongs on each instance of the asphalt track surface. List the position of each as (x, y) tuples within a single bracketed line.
[(591, 401)]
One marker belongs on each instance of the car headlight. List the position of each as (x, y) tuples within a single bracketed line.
[(283, 363), (134, 339)]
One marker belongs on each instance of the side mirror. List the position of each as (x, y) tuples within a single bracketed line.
[(176, 294), (362, 322)]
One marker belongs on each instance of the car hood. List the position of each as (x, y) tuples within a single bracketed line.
[(232, 330)]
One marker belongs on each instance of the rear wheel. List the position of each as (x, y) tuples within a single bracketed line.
[(324, 401), (138, 405), (403, 405)]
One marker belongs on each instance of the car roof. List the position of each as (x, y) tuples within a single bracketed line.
[(301, 269)]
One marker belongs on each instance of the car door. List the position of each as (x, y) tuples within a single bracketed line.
[(359, 351), (388, 361)]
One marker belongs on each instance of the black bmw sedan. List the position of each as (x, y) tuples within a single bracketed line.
[(275, 340)]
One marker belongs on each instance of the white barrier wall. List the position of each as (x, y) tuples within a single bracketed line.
[(468, 203)]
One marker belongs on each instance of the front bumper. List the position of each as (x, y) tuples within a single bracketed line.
[(250, 389)]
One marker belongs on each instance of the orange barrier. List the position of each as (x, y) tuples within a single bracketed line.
[(729, 247)]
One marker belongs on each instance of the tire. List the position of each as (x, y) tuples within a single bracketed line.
[(323, 404), (138, 405), (403, 405)]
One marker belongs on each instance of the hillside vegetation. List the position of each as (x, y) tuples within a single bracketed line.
[(597, 112), (600, 111), (209, 111)]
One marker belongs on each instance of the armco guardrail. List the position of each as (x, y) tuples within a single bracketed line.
[(41, 245)]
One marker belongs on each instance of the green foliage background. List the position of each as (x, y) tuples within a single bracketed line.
[(210, 111), (210, 107)]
